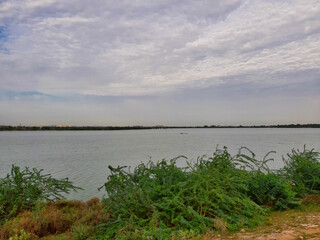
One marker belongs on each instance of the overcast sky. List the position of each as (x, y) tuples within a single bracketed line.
[(168, 62)]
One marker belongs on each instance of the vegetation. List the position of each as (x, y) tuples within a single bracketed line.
[(74, 219), (156, 199), (272, 190), (161, 200), (302, 168), (21, 190)]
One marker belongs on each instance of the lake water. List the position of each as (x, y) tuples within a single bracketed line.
[(84, 156)]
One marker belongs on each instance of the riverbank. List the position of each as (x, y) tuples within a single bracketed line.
[(301, 223), (221, 196), (112, 128), (75, 220)]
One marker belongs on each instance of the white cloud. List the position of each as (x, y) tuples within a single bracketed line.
[(156, 47)]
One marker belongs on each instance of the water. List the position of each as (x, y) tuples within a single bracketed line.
[(84, 156)]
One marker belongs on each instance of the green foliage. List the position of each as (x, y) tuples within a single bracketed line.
[(20, 190), (271, 190), (21, 235), (158, 199), (302, 168), (162, 200), (81, 232)]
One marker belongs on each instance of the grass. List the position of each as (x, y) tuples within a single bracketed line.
[(21, 189), (215, 195), (58, 217)]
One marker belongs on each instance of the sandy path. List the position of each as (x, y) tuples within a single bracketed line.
[(287, 225)]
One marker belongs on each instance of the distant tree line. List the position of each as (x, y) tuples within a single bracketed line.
[(110, 128)]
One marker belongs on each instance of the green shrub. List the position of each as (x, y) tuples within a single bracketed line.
[(158, 199), (81, 232), (303, 170), (20, 190), (161, 200), (21, 235), (271, 190)]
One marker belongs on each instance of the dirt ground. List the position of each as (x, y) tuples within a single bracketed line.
[(303, 231), (303, 223)]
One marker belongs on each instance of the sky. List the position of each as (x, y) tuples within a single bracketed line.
[(168, 62)]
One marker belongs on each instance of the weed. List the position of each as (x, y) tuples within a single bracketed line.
[(157, 198), (302, 168), (56, 218), (81, 232), (220, 225), (161, 200), (20, 190), (22, 235), (272, 190)]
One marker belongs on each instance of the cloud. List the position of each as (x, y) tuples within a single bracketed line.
[(154, 48), (159, 62)]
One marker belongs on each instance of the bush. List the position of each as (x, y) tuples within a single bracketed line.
[(81, 232), (271, 190), (20, 190), (303, 170), (158, 199), (22, 235), (58, 217)]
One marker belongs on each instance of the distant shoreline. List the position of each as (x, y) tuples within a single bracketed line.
[(112, 128)]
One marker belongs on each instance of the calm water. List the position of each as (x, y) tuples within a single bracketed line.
[(84, 156)]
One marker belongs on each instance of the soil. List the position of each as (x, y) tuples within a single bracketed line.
[(303, 223)]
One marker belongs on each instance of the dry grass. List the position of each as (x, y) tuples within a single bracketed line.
[(220, 225), (311, 199), (56, 218)]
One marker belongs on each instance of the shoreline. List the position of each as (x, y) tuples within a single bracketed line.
[(115, 128)]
